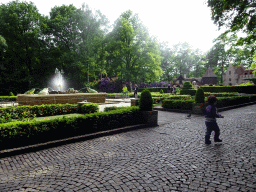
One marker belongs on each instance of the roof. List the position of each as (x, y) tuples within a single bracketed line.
[(209, 73), (239, 70)]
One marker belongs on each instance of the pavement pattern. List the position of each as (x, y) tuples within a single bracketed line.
[(170, 157)]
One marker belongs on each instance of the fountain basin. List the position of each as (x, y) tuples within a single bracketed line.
[(24, 99)]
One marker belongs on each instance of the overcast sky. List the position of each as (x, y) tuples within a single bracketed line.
[(172, 21)]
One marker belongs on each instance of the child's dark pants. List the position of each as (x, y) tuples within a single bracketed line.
[(212, 126)]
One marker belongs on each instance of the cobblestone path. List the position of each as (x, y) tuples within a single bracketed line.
[(171, 157)]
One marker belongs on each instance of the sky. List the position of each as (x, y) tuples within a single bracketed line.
[(171, 21)]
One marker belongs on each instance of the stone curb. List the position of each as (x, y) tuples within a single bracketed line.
[(219, 109), (55, 143)]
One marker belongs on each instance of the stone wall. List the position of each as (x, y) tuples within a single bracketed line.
[(61, 98)]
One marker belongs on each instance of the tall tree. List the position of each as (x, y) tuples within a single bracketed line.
[(167, 63), (236, 15), (76, 34), (133, 55), (217, 59), (20, 26)]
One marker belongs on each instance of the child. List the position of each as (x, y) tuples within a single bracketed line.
[(136, 91), (210, 121), (124, 91)]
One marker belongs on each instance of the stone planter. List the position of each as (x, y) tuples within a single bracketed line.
[(150, 117), (134, 101), (198, 108)]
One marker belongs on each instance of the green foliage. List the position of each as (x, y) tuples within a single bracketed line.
[(3, 44), (191, 92), (245, 84), (178, 104), (88, 108), (11, 94), (243, 17), (222, 94), (154, 89), (251, 89), (199, 97), (187, 85), (110, 108), (145, 101), (40, 110), (187, 89), (133, 55), (235, 100), (161, 91), (30, 92), (8, 98), (17, 134)]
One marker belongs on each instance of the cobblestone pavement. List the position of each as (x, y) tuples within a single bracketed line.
[(171, 157)]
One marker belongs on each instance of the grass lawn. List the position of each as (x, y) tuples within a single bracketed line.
[(57, 116)]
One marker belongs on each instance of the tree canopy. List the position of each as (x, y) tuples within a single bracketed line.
[(235, 15)]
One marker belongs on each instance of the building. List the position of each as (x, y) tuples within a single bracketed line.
[(237, 75), (209, 78)]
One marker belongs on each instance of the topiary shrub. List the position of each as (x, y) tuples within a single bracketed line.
[(145, 101), (199, 97), (187, 85), (187, 89)]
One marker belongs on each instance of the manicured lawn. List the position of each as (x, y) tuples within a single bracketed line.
[(57, 116)]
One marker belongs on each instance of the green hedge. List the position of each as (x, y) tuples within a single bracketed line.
[(17, 134), (155, 89), (7, 98), (191, 92), (222, 102), (160, 98), (47, 110), (240, 89), (178, 104), (235, 100), (222, 94)]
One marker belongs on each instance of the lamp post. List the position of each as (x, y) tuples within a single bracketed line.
[(59, 74)]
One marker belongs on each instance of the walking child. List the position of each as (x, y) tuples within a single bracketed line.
[(124, 91), (135, 91), (210, 120)]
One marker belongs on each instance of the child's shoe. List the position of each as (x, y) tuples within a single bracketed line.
[(217, 140), (208, 142)]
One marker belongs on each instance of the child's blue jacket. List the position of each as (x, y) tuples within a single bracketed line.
[(211, 113)]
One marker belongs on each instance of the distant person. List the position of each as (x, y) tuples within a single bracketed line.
[(173, 90), (210, 120), (136, 91), (169, 88), (124, 91)]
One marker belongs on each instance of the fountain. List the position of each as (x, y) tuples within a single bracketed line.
[(60, 97)]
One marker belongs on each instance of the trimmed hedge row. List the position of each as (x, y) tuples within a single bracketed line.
[(222, 102), (7, 98), (178, 104), (49, 110), (191, 92), (251, 89), (160, 98), (235, 100), (155, 89), (222, 94), (17, 134)]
